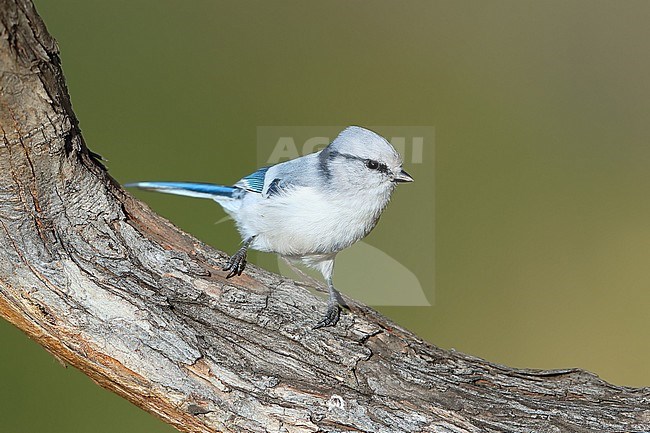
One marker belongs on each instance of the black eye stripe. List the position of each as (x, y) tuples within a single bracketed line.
[(375, 165), (370, 163)]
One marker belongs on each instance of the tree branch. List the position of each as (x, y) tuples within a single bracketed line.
[(142, 308)]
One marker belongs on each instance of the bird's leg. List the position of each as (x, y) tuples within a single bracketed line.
[(333, 307), (237, 261), (308, 280)]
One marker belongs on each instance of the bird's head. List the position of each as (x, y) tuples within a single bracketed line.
[(364, 159)]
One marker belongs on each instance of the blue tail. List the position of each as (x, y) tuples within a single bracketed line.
[(190, 189)]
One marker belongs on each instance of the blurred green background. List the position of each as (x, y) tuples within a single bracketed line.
[(541, 161)]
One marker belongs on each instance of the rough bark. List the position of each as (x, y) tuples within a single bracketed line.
[(143, 309)]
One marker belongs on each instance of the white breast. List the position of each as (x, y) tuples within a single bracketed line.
[(304, 221)]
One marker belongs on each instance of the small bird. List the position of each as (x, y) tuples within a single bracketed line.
[(309, 208)]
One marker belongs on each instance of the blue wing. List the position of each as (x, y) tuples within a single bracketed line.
[(254, 182), (278, 178)]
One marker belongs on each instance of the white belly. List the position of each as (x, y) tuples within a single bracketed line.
[(305, 222)]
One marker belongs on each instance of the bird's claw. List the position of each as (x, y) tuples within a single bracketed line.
[(236, 264), (331, 317)]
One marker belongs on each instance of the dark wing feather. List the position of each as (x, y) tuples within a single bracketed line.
[(254, 182)]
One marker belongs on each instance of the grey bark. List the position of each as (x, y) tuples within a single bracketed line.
[(142, 308)]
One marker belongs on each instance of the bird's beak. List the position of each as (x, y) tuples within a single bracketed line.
[(403, 176)]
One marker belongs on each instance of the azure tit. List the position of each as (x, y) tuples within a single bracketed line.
[(309, 208)]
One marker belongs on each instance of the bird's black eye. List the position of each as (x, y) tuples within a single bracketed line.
[(373, 165)]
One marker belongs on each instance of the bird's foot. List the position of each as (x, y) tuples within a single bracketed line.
[(331, 316), (237, 263)]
